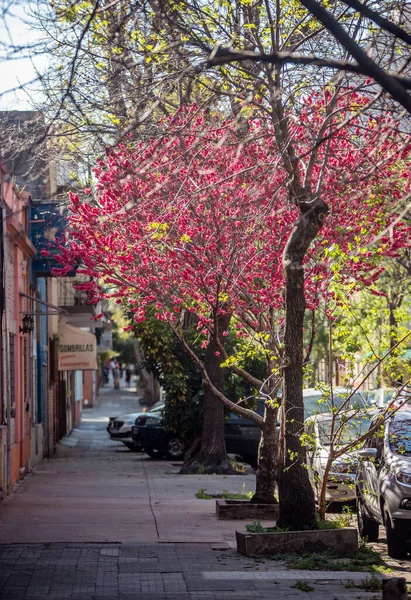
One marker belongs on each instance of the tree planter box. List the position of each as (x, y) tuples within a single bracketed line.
[(343, 541), (244, 509)]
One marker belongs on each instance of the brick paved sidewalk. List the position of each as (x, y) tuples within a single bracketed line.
[(158, 572)]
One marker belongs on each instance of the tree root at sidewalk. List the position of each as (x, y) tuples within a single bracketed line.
[(208, 466), (198, 461), (263, 500)]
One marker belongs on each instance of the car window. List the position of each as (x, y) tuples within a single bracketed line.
[(372, 397), (311, 405), (321, 403), (371, 442), (388, 395), (379, 444), (345, 431), (376, 440), (356, 401), (400, 436), (259, 410)]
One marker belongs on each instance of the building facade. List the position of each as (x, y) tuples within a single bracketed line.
[(40, 402), (19, 356)]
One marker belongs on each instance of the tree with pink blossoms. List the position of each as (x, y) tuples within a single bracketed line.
[(235, 226)]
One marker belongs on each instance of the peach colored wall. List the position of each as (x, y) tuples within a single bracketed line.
[(19, 459), (3, 461), (20, 250), (88, 388), (14, 464), (25, 447)]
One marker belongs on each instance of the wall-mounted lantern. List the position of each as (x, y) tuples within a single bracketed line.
[(28, 324)]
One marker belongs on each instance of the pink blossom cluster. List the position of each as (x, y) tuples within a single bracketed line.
[(198, 218)]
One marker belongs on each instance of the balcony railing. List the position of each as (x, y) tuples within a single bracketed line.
[(69, 296)]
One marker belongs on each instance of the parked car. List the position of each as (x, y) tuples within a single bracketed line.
[(348, 427), (383, 483), (241, 436), (119, 428), (316, 401), (148, 432)]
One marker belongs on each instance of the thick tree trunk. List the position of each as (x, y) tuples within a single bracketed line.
[(297, 506), (148, 384), (267, 459), (212, 456)]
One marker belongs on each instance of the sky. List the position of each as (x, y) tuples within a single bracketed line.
[(17, 29)]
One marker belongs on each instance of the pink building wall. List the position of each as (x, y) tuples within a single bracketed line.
[(20, 250)]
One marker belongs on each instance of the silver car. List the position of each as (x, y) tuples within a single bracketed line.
[(317, 401), (383, 483), (380, 397), (348, 427), (119, 428)]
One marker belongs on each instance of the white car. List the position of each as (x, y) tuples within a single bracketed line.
[(383, 483), (119, 428), (348, 427), (317, 401), (380, 397)]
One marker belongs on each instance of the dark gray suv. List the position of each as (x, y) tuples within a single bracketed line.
[(383, 483)]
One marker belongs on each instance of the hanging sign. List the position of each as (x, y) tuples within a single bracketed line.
[(76, 349)]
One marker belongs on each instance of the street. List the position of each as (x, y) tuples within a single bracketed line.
[(98, 521)]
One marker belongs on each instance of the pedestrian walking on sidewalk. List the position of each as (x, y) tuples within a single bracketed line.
[(116, 376), (128, 377)]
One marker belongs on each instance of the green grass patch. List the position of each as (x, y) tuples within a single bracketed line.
[(303, 586), (370, 584), (366, 560), (337, 521), (327, 524), (257, 527), (240, 468), (202, 494)]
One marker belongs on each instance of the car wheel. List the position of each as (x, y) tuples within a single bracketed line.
[(367, 528), (397, 545), (174, 447), (154, 452)]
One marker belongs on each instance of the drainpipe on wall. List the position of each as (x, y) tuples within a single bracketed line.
[(43, 358), (6, 342)]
